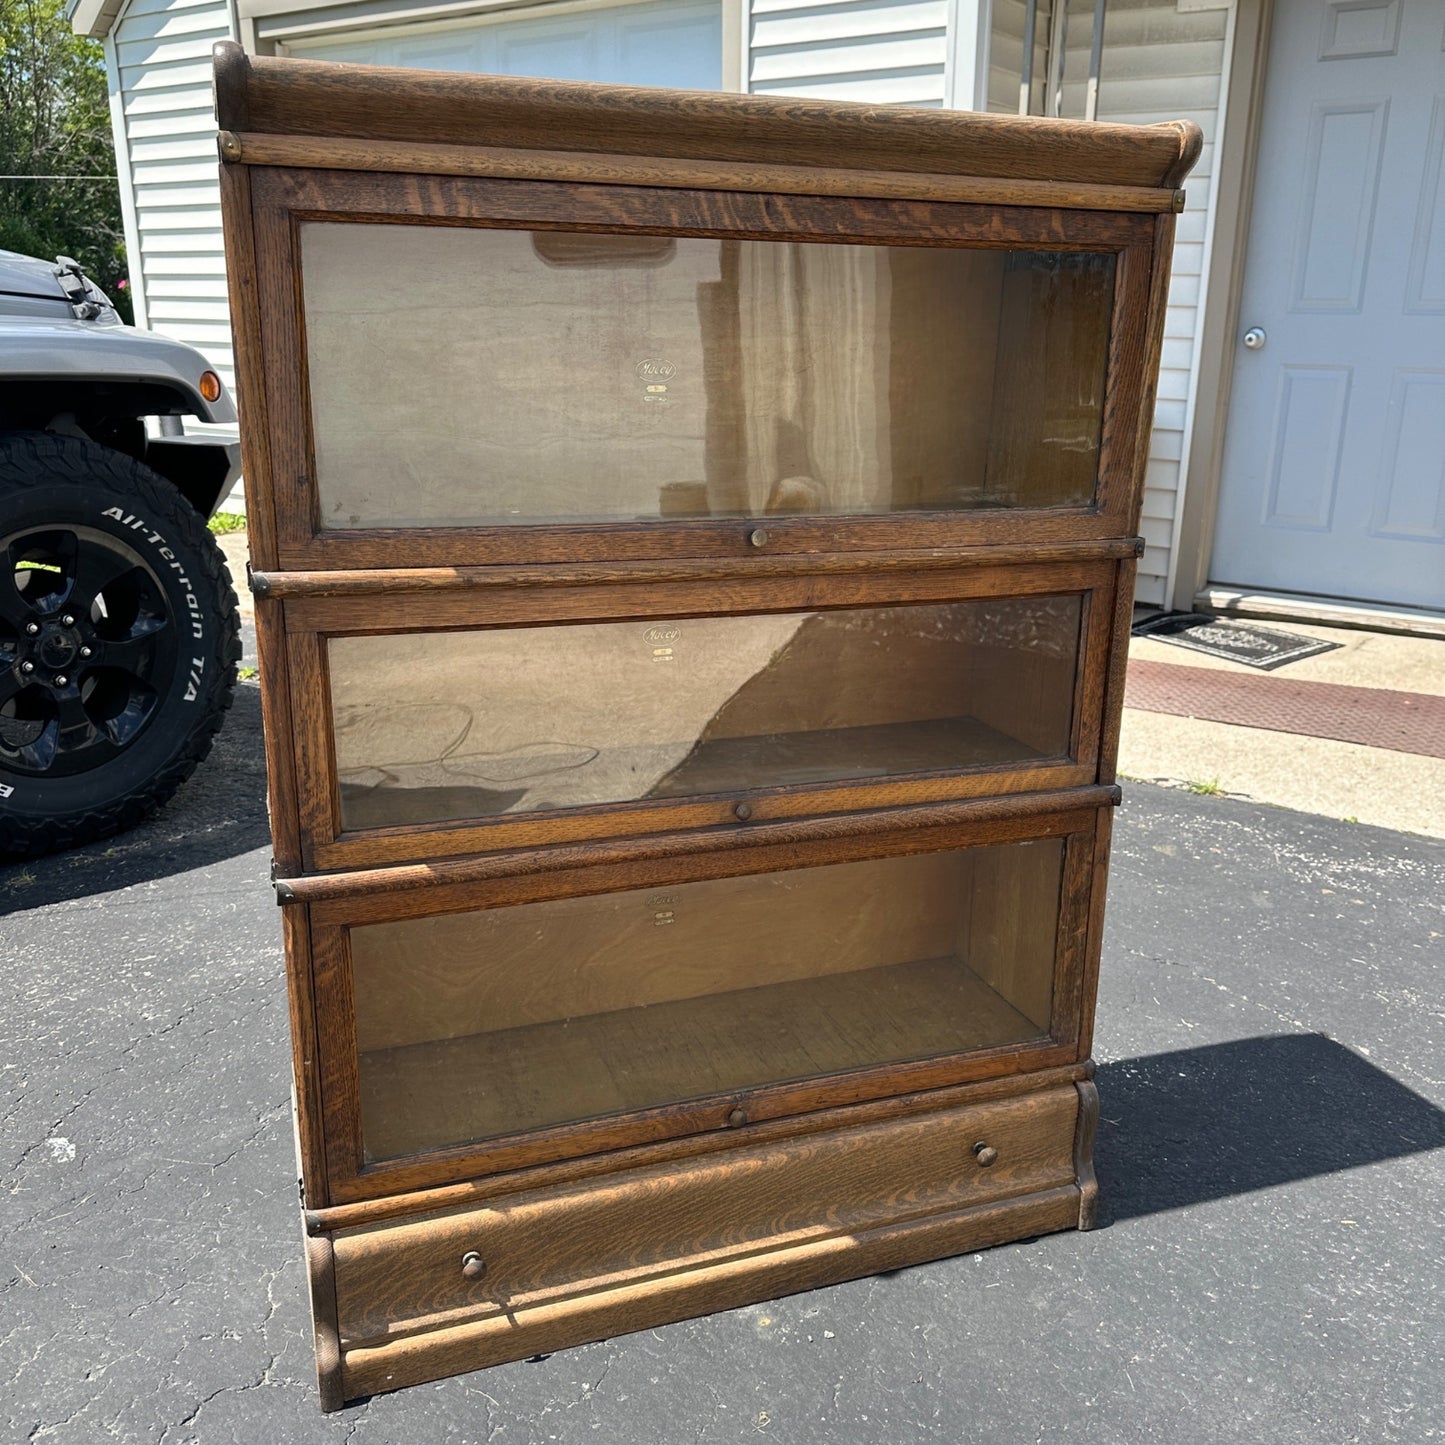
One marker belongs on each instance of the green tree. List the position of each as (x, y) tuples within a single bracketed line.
[(58, 189)]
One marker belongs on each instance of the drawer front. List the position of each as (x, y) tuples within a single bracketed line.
[(820, 1191)]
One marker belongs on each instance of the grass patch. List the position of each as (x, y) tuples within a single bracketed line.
[(246, 673), (1206, 788), (224, 522)]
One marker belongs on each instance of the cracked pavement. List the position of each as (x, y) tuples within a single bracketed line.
[(1272, 1158)]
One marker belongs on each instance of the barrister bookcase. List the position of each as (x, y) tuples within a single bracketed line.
[(693, 540)]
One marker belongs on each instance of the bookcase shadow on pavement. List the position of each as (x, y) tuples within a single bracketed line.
[(1195, 1125)]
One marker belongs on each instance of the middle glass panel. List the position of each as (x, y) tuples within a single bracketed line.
[(441, 727)]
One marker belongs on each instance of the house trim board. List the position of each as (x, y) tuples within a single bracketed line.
[(1320, 611), (120, 134), (965, 76), (1237, 151)]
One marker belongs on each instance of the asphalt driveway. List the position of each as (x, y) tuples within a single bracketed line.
[(1272, 1156)]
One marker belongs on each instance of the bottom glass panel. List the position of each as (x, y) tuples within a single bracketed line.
[(472, 1026)]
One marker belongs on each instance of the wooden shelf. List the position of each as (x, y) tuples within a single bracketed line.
[(638, 1058), (721, 765)]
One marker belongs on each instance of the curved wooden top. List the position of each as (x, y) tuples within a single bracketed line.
[(266, 96)]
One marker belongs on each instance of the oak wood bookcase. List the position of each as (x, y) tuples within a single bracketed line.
[(693, 539)]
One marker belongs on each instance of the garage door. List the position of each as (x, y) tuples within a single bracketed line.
[(660, 43)]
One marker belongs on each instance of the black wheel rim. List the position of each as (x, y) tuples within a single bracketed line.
[(87, 649)]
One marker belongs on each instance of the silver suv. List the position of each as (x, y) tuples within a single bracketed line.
[(119, 635)]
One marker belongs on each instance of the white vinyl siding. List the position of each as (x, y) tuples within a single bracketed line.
[(662, 42), (879, 51), (160, 55), (1159, 63), (1007, 22)]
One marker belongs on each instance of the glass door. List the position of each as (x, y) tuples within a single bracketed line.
[(486, 1024)]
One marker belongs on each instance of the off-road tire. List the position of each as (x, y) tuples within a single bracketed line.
[(80, 489)]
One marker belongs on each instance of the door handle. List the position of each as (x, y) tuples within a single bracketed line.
[(1255, 338)]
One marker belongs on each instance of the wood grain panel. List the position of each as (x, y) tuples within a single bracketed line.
[(451, 884), (315, 98), (420, 1202), (392, 1278), (399, 582), (426, 158), (499, 1338)]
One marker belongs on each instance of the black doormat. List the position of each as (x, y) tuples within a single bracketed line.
[(1262, 647)]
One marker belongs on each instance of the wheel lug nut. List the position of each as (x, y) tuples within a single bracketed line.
[(32, 628), (61, 679), (27, 667), (67, 621), (85, 651)]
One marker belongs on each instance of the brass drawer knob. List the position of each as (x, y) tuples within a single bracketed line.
[(984, 1153), (758, 537), (473, 1265)]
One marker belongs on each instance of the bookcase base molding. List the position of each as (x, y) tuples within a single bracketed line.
[(404, 1300)]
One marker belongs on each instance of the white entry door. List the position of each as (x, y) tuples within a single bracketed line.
[(1334, 464), (661, 42)]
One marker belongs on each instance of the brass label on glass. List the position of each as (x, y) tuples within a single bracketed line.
[(655, 373)]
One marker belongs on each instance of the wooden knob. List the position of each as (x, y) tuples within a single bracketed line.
[(985, 1154), (737, 1118), (473, 1265)]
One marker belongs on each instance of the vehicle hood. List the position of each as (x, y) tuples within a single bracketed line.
[(29, 276)]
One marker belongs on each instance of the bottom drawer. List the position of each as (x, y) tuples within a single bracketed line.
[(529, 1272)]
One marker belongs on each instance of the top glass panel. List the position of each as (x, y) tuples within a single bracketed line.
[(477, 377)]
